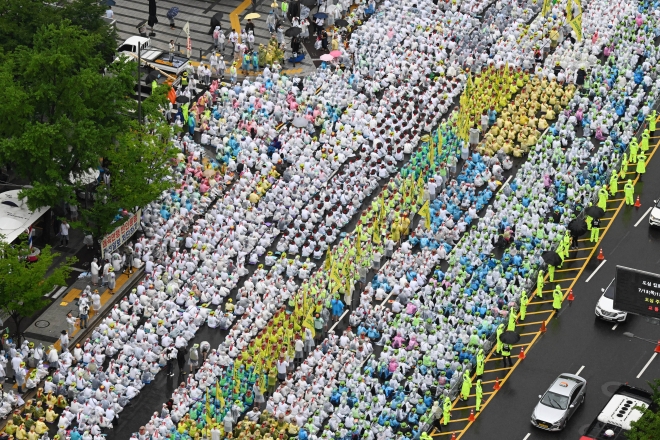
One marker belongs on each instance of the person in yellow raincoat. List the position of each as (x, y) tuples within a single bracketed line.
[(557, 297), (641, 165)]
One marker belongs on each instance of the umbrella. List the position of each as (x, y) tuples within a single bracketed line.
[(152, 76), (300, 122), (153, 18), (594, 211), (552, 258), (341, 22), (215, 21), (322, 15), (577, 227), (327, 57), (336, 53), (172, 12), (109, 2), (509, 337), (251, 16), (182, 99), (293, 31), (309, 3)]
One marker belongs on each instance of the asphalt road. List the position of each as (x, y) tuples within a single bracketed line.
[(577, 340)]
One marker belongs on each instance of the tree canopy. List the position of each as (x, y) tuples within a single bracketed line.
[(24, 284), (648, 426)]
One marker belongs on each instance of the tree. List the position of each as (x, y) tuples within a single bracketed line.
[(60, 113), (140, 170), (648, 426), (24, 284)]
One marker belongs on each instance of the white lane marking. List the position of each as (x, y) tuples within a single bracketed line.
[(645, 214), (59, 292), (580, 370), (615, 326), (339, 320), (594, 272), (527, 436), (647, 365)]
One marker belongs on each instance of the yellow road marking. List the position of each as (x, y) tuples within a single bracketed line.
[(539, 312), (515, 365)]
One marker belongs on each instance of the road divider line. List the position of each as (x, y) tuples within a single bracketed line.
[(597, 269), (647, 365), (339, 320), (580, 370), (615, 326), (527, 436), (644, 216)]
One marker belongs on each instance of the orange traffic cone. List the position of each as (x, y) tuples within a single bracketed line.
[(497, 384), (453, 436), (570, 295), (522, 353), (542, 327), (471, 417), (638, 203), (657, 348), (600, 255)]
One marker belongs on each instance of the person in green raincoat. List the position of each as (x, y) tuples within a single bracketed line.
[(500, 330), (540, 283), (512, 320), (641, 165), (614, 184), (633, 147), (624, 166), (446, 410), (557, 298), (644, 146), (480, 394), (523, 305), (551, 268), (602, 198), (481, 363), (466, 387), (629, 191), (651, 118)]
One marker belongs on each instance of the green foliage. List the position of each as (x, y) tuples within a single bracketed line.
[(139, 166), (648, 427), (61, 113), (23, 284)]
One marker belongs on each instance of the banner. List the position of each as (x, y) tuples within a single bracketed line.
[(186, 29), (425, 212), (547, 5), (119, 236), (576, 22)]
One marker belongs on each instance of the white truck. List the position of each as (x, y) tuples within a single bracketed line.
[(153, 57)]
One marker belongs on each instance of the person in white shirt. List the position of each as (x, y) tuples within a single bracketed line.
[(64, 233), (110, 13)]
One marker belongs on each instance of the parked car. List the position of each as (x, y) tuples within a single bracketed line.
[(605, 306)]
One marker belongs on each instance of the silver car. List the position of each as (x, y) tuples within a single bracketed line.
[(560, 402)]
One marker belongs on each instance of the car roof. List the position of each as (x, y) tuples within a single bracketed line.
[(565, 384)]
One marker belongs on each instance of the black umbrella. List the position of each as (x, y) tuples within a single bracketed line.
[(309, 3), (151, 77), (552, 258), (293, 31), (509, 337), (322, 15), (215, 21), (578, 227), (594, 211), (341, 23), (172, 12), (182, 99)]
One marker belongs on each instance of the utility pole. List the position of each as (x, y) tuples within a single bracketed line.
[(139, 83)]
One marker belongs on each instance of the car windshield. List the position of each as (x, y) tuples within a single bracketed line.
[(554, 400), (657, 204), (609, 293)]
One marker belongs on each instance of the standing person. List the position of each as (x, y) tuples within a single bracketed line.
[(629, 190), (106, 270), (83, 311), (181, 360), (233, 39), (193, 359), (249, 27), (595, 230), (270, 22), (64, 341), (474, 137), (216, 36), (71, 322), (95, 268), (556, 299), (466, 386), (109, 13), (506, 355), (282, 365), (111, 280), (96, 301), (170, 355), (480, 394), (641, 165), (64, 233), (171, 18), (523, 305), (285, 9), (172, 51)]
